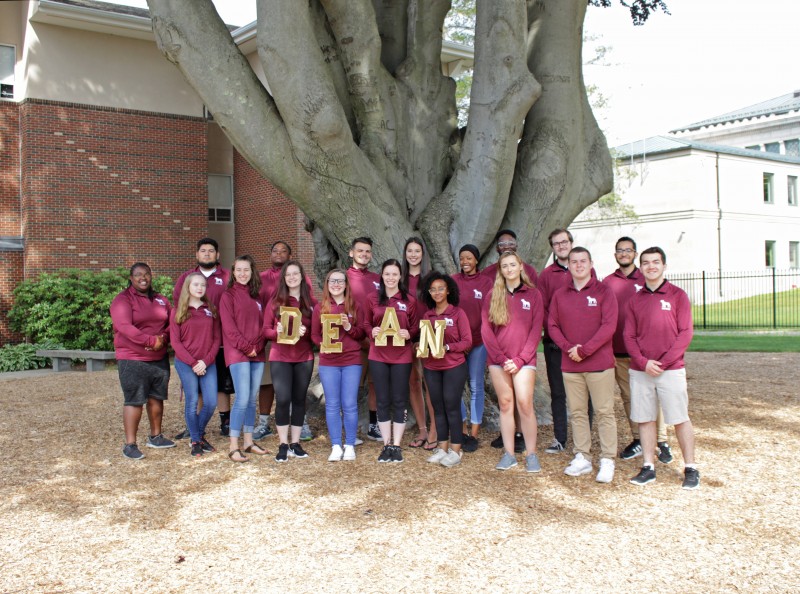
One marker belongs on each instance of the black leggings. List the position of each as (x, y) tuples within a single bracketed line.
[(291, 385), (391, 389), (446, 388)]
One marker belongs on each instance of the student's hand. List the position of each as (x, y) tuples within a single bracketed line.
[(573, 354), (653, 368), (200, 368), (279, 328), (404, 334), (345, 322), (159, 343), (510, 367), (303, 330), (252, 353), (375, 331)]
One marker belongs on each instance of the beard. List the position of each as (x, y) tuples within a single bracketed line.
[(208, 265)]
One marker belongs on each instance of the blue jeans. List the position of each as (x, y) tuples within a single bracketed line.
[(246, 381), (476, 361), (192, 385), (341, 400)]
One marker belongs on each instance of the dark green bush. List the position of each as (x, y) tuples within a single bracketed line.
[(21, 357), (70, 307)]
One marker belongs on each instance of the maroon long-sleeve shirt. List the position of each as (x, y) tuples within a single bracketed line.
[(624, 286), (407, 316), (473, 290), (363, 283), (288, 353), (587, 317), (350, 339), (519, 339), (216, 284), (659, 327), (457, 338), (137, 322), (197, 338), (242, 318)]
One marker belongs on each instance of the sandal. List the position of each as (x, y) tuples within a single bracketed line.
[(239, 452), (417, 442), (430, 445), (254, 449)]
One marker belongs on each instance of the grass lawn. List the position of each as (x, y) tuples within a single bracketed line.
[(752, 312), (745, 343)]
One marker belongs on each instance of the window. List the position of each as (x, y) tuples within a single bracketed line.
[(792, 148), (791, 188), (8, 58), (769, 253), (754, 147), (769, 190), (794, 254), (220, 198), (773, 147)]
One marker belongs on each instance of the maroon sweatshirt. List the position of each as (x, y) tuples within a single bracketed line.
[(457, 338), (473, 289), (407, 315), (269, 284), (659, 327), (288, 353), (137, 322), (413, 285), (216, 285), (587, 317), (363, 283), (551, 280), (519, 339), (242, 318), (197, 338), (624, 287), (350, 339), (490, 272)]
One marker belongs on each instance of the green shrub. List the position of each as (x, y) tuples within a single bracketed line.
[(21, 357), (70, 307)]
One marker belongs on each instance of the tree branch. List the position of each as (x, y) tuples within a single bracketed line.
[(391, 18)]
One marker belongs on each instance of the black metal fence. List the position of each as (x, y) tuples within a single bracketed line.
[(748, 300)]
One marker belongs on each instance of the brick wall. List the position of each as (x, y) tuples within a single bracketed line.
[(10, 276), (263, 215), (107, 187), (9, 169)]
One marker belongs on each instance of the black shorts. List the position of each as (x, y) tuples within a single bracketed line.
[(141, 380), (224, 379)]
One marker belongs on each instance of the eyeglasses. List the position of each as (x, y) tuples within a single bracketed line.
[(561, 243), (506, 243), (434, 290), (625, 251), (336, 281)]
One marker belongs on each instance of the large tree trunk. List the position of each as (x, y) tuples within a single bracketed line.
[(359, 127)]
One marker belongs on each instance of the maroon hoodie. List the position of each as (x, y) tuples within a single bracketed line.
[(519, 339), (659, 327), (624, 287), (457, 338), (216, 284), (242, 318), (473, 290), (407, 315), (350, 339), (197, 338), (363, 283), (587, 317), (137, 322), (269, 284), (288, 353)]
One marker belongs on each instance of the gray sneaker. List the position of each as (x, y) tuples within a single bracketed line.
[(132, 451), (262, 431), (451, 459), (159, 442), (305, 432), (506, 462), (532, 463)]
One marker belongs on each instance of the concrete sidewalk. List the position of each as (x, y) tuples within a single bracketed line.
[(9, 375)]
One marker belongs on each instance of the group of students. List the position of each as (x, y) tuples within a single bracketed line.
[(368, 325)]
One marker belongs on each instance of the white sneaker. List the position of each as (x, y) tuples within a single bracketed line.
[(358, 441), (451, 459), (336, 453), (349, 453), (438, 455), (606, 473), (578, 466)]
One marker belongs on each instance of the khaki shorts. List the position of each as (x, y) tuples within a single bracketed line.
[(668, 390)]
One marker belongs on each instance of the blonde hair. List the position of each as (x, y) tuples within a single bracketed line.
[(498, 306), (182, 309)]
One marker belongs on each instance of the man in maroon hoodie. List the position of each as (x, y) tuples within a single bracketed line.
[(657, 333), (217, 281), (582, 320), (626, 281)]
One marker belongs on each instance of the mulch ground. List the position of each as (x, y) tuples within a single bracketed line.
[(75, 516)]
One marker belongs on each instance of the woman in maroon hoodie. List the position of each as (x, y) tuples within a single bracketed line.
[(511, 330), (445, 376), (140, 318), (195, 336), (290, 364), (241, 315), (390, 365)]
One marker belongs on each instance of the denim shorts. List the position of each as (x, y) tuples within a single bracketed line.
[(141, 380)]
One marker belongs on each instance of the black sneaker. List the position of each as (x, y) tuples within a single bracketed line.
[(519, 443), (632, 450), (397, 454), (386, 454), (664, 453), (225, 429), (469, 443), (283, 453), (555, 447), (159, 442), (197, 448), (297, 451), (374, 432), (182, 435), (691, 478), (646, 475), (207, 447), (497, 442), (132, 451)]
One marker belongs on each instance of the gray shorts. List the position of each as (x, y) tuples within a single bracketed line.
[(668, 390), (141, 380)]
